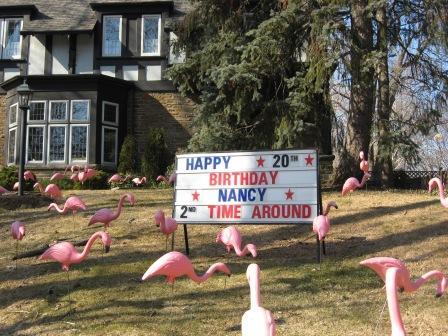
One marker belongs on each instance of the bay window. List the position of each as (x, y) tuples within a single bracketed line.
[(58, 110), (10, 39), (78, 143), (12, 145), (112, 35), (80, 110), (109, 145), (13, 109), (151, 31), (35, 141), (56, 143), (37, 111)]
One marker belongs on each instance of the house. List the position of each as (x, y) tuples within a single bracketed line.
[(96, 70)]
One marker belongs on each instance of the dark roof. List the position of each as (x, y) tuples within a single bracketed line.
[(74, 15)]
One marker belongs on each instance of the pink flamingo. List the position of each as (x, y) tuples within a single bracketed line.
[(321, 224), (436, 182), (167, 225), (396, 276), (139, 181), (16, 186), (175, 264), (170, 180), (17, 232), (364, 164), (59, 176), (86, 174), (51, 190), (116, 178), (3, 190), (29, 176), (257, 321), (66, 254), (106, 216), (352, 184), (231, 237), (72, 203)]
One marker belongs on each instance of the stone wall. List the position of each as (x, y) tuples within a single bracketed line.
[(3, 131), (169, 111)]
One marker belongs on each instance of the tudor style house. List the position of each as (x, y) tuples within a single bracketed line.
[(96, 69)]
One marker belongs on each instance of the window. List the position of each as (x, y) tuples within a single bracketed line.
[(56, 143), (130, 72), (12, 145), (79, 140), (10, 38), (111, 35), (110, 113), (107, 70), (58, 110), (37, 111), (109, 148), (13, 114), (151, 28), (80, 110), (35, 144)]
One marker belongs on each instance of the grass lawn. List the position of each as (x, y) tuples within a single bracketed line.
[(336, 297)]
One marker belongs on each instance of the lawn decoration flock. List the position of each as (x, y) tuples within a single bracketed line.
[(257, 321)]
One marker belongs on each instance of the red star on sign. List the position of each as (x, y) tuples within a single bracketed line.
[(309, 160), (289, 194), (195, 196), (260, 162)]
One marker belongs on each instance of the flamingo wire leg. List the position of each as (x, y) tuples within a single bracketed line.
[(73, 220), (172, 242), (68, 291), (166, 243), (17, 248)]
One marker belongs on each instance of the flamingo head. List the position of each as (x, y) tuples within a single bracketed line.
[(106, 239), (366, 176), (159, 217), (332, 204), (361, 155), (143, 179), (442, 285), (252, 249), (380, 265), (36, 185), (221, 267), (131, 198)]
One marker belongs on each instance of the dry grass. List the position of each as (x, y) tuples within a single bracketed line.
[(337, 297)]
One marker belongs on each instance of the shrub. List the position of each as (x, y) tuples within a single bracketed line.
[(128, 156), (155, 155), (99, 181), (9, 176)]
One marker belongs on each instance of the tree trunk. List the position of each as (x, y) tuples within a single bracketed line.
[(359, 121), (383, 164)]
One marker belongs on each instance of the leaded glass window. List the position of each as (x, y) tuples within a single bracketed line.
[(35, 139), (13, 109), (58, 111), (79, 143), (110, 145), (12, 145), (36, 111), (56, 143), (111, 35), (80, 110), (151, 35), (110, 113), (11, 38)]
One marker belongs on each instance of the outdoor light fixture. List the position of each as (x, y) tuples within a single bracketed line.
[(24, 94)]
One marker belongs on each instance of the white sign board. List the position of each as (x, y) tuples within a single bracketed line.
[(247, 187)]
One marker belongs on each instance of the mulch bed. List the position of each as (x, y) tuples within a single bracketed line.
[(28, 200)]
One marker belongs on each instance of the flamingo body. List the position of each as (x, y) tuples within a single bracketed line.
[(139, 181), (18, 230), (57, 177), (3, 190), (321, 224), (106, 216), (72, 203), (167, 225), (29, 176), (364, 164), (437, 182), (351, 184), (231, 237), (396, 276), (257, 321), (116, 178), (175, 264), (66, 254), (170, 180), (51, 190)]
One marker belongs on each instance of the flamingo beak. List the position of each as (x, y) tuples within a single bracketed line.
[(336, 207)]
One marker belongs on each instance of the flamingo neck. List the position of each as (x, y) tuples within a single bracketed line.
[(254, 284), (441, 191), (247, 249), (327, 209), (39, 186), (58, 209), (201, 278), (363, 181), (120, 206), (88, 246), (441, 284), (392, 302)]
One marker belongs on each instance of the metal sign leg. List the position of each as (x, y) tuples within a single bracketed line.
[(324, 249), (187, 248), (318, 249)]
